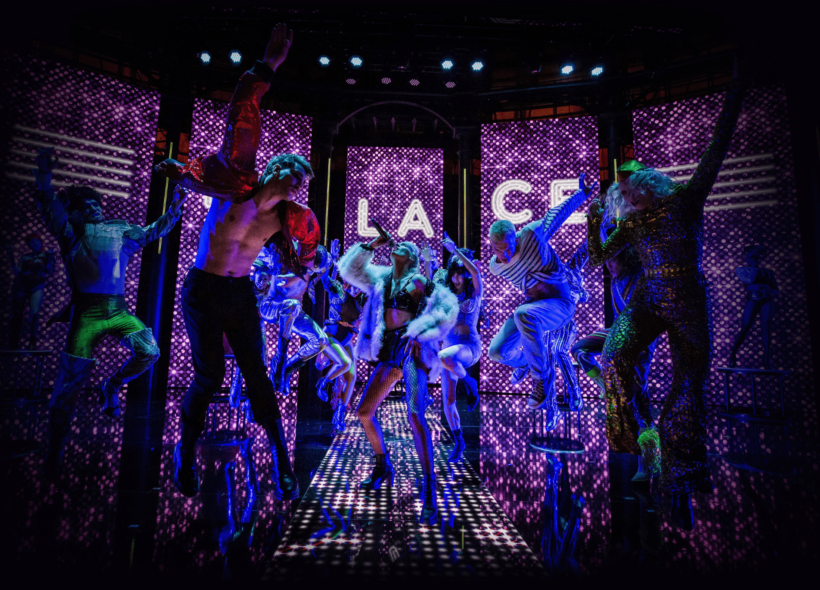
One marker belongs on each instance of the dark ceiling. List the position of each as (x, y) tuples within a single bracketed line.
[(648, 53)]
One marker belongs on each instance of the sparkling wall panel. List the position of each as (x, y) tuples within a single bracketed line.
[(753, 202), (528, 167), (402, 189), (104, 131), (281, 133)]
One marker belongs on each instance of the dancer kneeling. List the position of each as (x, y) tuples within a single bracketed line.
[(462, 345), (404, 318)]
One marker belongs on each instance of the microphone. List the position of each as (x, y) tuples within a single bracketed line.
[(377, 226)]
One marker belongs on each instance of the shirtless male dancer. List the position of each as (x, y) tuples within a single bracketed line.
[(218, 295)]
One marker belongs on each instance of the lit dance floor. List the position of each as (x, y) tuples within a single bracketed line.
[(507, 511)]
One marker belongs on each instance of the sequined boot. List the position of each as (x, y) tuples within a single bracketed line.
[(471, 385)]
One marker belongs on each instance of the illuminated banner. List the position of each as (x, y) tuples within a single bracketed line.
[(401, 188), (528, 167)]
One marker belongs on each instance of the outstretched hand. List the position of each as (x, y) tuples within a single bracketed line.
[(426, 252), (448, 244), (582, 187), (334, 250), (46, 160), (180, 194), (277, 50)]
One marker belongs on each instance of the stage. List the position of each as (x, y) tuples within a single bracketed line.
[(507, 512)]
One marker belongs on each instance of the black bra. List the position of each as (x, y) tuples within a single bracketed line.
[(402, 301)]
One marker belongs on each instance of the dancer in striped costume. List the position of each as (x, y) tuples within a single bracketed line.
[(527, 260)]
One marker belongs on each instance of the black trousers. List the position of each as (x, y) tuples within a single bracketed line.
[(213, 305)]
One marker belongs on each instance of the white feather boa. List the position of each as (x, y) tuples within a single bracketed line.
[(429, 327)]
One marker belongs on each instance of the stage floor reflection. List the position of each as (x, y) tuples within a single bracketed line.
[(508, 510)]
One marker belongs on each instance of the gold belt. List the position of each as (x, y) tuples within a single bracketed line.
[(675, 271)]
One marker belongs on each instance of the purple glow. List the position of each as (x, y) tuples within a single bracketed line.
[(105, 131), (545, 158), (281, 132), (51, 103), (400, 188), (754, 201)]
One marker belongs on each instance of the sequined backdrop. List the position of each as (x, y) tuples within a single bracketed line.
[(753, 202), (104, 131), (403, 190), (526, 168), (281, 133)]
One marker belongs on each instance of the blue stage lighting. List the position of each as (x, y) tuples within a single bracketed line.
[(477, 65), (447, 64), (324, 61), (567, 69), (236, 57), (356, 61), (597, 71), (204, 57)]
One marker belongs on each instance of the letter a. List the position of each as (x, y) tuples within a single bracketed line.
[(415, 218)]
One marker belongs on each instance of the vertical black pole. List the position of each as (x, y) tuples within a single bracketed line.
[(144, 417), (614, 141)]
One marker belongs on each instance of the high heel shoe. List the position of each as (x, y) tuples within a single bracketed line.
[(457, 453), (382, 471), (429, 508)]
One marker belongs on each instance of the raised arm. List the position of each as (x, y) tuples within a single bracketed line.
[(356, 268), (166, 222), (617, 241), (230, 174), (556, 216), (54, 214), (700, 185), (478, 281)]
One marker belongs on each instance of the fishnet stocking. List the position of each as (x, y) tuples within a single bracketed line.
[(381, 382)]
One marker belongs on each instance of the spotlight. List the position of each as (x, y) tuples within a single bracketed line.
[(236, 57), (356, 61), (204, 57), (386, 80), (597, 71), (567, 69), (447, 64), (477, 65), (414, 82), (351, 81), (324, 61), (450, 84)]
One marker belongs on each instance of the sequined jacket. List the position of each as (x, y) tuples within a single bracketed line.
[(230, 174), (669, 237), (96, 255), (437, 314)]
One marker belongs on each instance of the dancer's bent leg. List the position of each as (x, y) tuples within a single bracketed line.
[(628, 408)]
